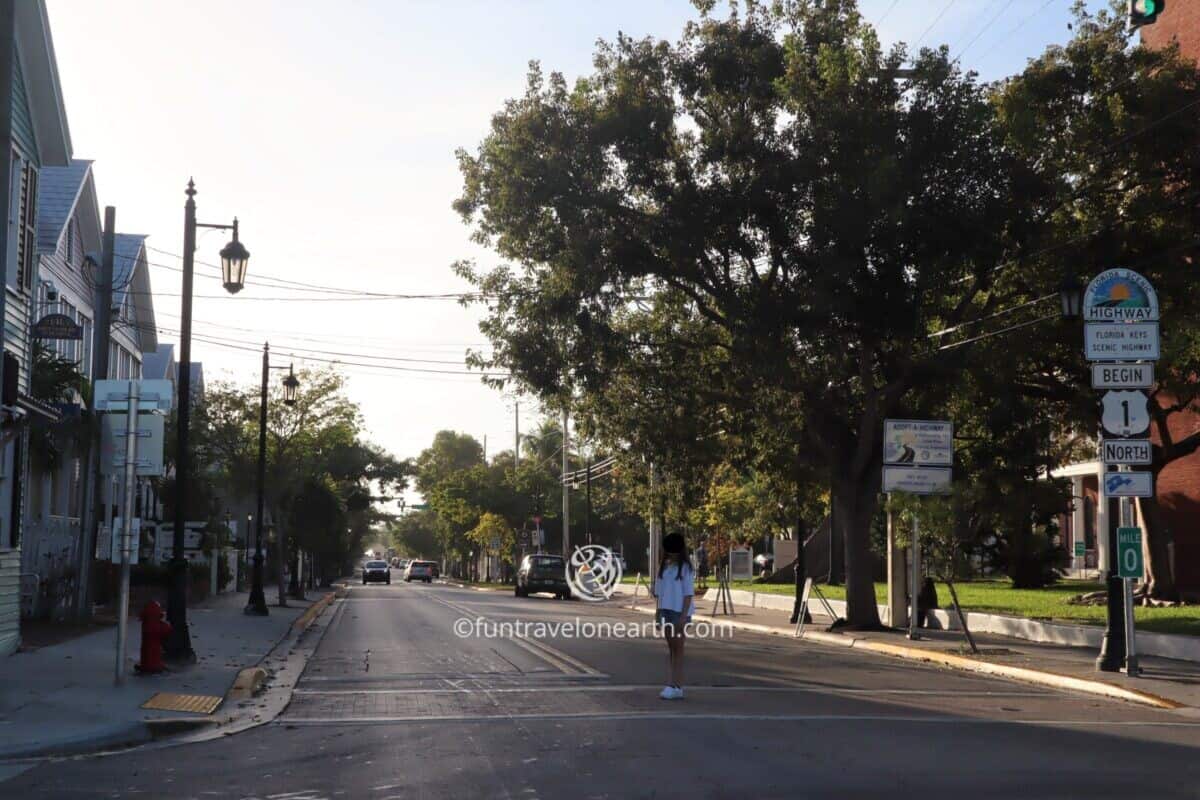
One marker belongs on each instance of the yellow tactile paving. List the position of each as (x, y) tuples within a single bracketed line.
[(195, 703)]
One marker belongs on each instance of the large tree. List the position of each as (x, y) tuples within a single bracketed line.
[(815, 204)]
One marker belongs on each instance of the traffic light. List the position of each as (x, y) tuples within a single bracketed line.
[(1145, 12)]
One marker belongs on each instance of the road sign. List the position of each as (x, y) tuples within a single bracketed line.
[(1122, 376), (916, 480), (1124, 413), (149, 446), (1080, 548), (1126, 451), (152, 395), (1128, 484), (1120, 295), (1129, 552), (919, 443), (741, 564), (1121, 341)]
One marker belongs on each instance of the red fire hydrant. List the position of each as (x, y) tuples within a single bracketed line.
[(154, 630)]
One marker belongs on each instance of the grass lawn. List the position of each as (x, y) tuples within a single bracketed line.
[(1045, 604)]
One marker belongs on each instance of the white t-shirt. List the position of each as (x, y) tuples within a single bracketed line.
[(671, 588)]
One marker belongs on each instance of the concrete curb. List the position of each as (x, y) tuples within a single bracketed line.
[(313, 612), (963, 663), (247, 682)]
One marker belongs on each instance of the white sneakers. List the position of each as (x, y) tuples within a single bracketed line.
[(671, 693)]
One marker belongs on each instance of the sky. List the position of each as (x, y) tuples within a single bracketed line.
[(329, 130)]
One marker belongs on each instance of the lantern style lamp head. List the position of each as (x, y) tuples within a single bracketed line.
[(234, 257), (1071, 296), (290, 384)]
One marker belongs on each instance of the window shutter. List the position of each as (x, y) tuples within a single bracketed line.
[(29, 233)]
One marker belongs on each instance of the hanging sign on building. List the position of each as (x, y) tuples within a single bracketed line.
[(57, 326)]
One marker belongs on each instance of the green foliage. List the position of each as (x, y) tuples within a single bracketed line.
[(324, 481)]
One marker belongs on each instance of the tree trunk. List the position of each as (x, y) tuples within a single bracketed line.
[(854, 505), (1160, 580)]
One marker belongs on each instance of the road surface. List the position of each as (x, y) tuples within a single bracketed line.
[(395, 705)]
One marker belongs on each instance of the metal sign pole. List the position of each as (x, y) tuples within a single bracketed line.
[(131, 431), (1131, 659), (915, 580)]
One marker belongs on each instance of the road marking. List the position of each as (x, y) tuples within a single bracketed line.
[(556, 658), (709, 717), (643, 687)]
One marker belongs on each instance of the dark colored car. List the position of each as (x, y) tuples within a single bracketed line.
[(376, 571), (420, 571), (543, 573)]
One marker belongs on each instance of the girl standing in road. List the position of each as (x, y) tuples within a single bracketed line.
[(674, 589)]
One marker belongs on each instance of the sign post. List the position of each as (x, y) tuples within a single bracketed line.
[(918, 458), (1121, 314), (127, 529)]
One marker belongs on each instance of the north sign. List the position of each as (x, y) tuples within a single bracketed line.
[(1124, 413), (1121, 341), (1120, 295), (1126, 451), (1122, 376)]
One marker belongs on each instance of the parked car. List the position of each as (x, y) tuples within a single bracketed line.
[(543, 573), (376, 571), (419, 571)]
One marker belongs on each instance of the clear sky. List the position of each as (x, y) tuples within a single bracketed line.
[(329, 129)]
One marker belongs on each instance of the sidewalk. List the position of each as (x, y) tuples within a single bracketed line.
[(61, 698), (1165, 683)]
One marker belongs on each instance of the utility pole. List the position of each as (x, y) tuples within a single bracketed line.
[(517, 435), (102, 302), (126, 541), (566, 538), (587, 521)]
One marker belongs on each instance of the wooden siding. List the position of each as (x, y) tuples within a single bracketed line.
[(22, 118), (10, 600)]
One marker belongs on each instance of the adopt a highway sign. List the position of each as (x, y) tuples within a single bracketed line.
[(1126, 451), (1123, 376), (918, 442)]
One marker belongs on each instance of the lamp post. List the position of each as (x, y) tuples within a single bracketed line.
[(257, 604), (234, 257), (1112, 646)]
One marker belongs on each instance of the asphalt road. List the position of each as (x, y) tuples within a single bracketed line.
[(395, 705)]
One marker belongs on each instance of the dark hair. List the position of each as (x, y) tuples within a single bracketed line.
[(674, 544)]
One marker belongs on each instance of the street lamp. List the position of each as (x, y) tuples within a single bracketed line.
[(178, 646), (1070, 294), (234, 257), (257, 604)]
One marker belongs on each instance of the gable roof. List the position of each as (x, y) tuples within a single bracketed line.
[(59, 191), (160, 363), (44, 89), (131, 279)]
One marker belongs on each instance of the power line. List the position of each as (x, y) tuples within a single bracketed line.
[(891, 8), (936, 19), (1018, 27), (982, 29)]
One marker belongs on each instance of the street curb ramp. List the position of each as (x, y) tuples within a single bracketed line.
[(962, 663)]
